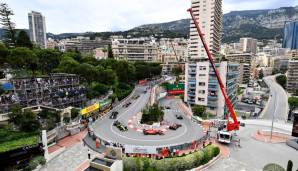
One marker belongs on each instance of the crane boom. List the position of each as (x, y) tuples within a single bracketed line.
[(235, 124)]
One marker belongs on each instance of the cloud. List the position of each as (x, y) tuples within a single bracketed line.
[(111, 15)]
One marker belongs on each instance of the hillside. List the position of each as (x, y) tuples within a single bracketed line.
[(260, 24)]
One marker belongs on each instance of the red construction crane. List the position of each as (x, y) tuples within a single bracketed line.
[(230, 126)]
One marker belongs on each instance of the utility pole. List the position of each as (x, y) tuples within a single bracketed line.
[(273, 116)]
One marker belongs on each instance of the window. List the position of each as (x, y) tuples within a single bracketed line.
[(201, 99), (201, 91), (202, 68), (202, 75), (201, 83)]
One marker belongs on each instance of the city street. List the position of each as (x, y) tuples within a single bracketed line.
[(253, 155), (278, 102)]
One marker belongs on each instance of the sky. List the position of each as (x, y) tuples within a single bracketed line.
[(64, 16)]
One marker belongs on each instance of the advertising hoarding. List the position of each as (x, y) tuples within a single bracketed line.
[(89, 109), (140, 149)]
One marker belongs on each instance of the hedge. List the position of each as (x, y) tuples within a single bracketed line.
[(273, 167), (10, 140), (186, 162), (38, 160)]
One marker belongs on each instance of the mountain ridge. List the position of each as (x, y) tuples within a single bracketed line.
[(259, 24)]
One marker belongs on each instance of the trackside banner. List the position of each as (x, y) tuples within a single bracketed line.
[(89, 109), (140, 149)]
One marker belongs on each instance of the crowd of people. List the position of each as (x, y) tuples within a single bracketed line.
[(58, 91)]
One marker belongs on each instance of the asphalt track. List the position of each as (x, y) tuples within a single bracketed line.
[(189, 131)]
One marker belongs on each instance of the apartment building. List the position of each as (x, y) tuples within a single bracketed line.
[(202, 88), (172, 53), (244, 60), (84, 45), (209, 16), (137, 49), (281, 64), (37, 29), (292, 83), (248, 45), (201, 85)]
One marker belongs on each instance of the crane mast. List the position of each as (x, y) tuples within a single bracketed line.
[(235, 124)]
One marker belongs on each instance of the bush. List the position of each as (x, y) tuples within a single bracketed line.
[(216, 151), (74, 113), (208, 154), (152, 114), (186, 162), (273, 167), (66, 119), (282, 80), (38, 160), (10, 140)]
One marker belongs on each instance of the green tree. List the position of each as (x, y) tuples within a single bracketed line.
[(74, 113), (296, 92), (290, 165), (261, 74), (293, 103), (15, 114), (23, 58), (152, 114), (48, 59), (282, 80), (67, 65), (110, 52), (23, 40), (3, 54), (5, 19), (29, 122), (110, 77), (198, 110), (177, 71), (87, 71), (90, 60)]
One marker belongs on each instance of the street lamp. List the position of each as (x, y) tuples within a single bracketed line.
[(272, 119)]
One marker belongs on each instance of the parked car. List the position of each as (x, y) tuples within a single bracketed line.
[(126, 104), (180, 117), (175, 126), (136, 97), (114, 115), (241, 124), (152, 132), (120, 126)]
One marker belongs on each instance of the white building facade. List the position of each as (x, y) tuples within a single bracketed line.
[(202, 88), (37, 29), (209, 16), (201, 85), (141, 49)]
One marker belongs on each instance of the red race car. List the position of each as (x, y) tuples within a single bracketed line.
[(152, 132), (175, 126)]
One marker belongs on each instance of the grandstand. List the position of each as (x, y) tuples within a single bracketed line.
[(56, 90)]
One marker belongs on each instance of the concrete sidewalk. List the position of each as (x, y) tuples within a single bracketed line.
[(71, 159), (68, 142), (267, 123)]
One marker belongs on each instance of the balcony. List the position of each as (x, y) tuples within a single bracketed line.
[(192, 71), (212, 98), (191, 95)]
